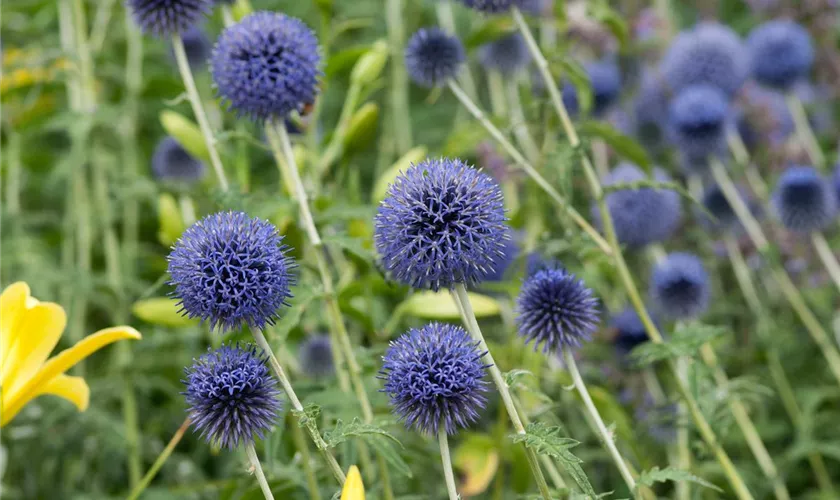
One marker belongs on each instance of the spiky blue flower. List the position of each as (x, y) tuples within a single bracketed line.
[(266, 66), (432, 57), (781, 53), (640, 216), (679, 286), (507, 55), (650, 111), (232, 396), (709, 54), (605, 79), (230, 269), (555, 309), (630, 332), (197, 46), (803, 200), (441, 223), (697, 122), (167, 17), (171, 162), (435, 376), (490, 6), (316, 357)]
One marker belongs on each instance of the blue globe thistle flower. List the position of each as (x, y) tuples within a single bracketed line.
[(171, 162), (630, 331), (507, 55), (640, 216), (709, 54), (441, 223), (803, 200), (491, 6), (556, 309), (780, 52), (650, 111), (432, 56), (510, 251), (316, 356), (697, 122), (266, 66), (167, 17), (230, 270), (232, 397), (434, 376), (680, 286), (605, 78), (197, 46)]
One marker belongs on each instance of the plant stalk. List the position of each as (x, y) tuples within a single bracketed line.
[(804, 130), (400, 110), (447, 463), (258, 470), (161, 459), (827, 257)]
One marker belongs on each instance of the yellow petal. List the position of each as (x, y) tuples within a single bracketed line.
[(73, 389), (38, 331), (13, 401), (353, 489), (12, 306)]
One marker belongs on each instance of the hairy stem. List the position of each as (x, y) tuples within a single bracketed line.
[(447, 463), (258, 471)]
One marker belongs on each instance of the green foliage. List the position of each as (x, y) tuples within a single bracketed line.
[(657, 475), (685, 342), (547, 440)]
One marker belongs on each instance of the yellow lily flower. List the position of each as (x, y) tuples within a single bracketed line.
[(353, 489), (29, 331)]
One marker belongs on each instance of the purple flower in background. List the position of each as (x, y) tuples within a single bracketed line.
[(167, 17), (803, 200), (434, 377), (507, 55), (679, 286), (697, 122), (316, 356), (605, 79), (432, 57), (232, 397), (172, 163), (781, 53)]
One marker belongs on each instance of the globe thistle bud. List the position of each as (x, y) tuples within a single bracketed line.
[(630, 332), (266, 66), (555, 309), (171, 162), (316, 356), (507, 55), (491, 6), (780, 53), (710, 54), (167, 17), (441, 223), (229, 269), (640, 216), (432, 57), (804, 201), (434, 377), (680, 286), (605, 79), (697, 122), (232, 397)]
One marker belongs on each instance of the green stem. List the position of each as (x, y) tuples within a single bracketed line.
[(187, 209), (528, 168), (446, 20), (627, 279), (827, 257), (161, 459), (604, 433), (100, 25), (227, 15), (520, 125), (447, 463), (462, 301), (553, 472), (400, 111), (258, 470), (335, 147), (601, 157), (496, 86), (198, 110), (791, 293), (683, 448), (130, 152), (804, 131), (298, 407), (306, 459)]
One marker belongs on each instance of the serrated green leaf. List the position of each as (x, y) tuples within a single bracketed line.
[(685, 342), (355, 428), (657, 475), (427, 304), (546, 440), (622, 144)]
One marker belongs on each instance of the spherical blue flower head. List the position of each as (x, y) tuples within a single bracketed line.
[(197, 47), (507, 55), (510, 251), (432, 57), (556, 309), (640, 216), (232, 397), (605, 79), (803, 200), (630, 331), (171, 162), (717, 205), (266, 66), (316, 356), (709, 54), (230, 270), (697, 121), (441, 223), (781, 53), (167, 17), (680, 286), (491, 6), (650, 111), (434, 376)]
